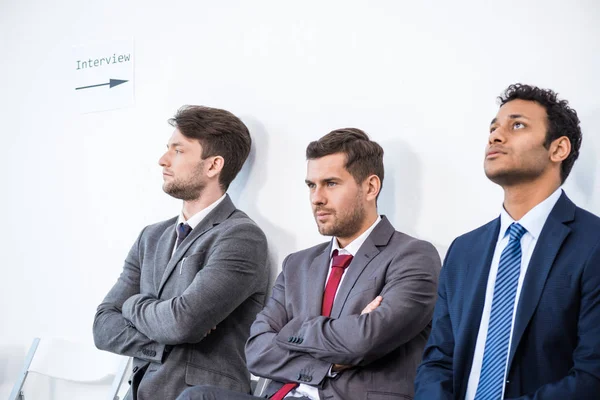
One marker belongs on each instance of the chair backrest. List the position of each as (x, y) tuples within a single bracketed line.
[(72, 362), (261, 386)]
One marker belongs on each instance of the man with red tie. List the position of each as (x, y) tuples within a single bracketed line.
[(349, 318)]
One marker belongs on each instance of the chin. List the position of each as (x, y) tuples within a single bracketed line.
[(496, 173), (324, 230)]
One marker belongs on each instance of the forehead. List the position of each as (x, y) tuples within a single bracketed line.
[(178, 138), (329, 166), (529, 109)]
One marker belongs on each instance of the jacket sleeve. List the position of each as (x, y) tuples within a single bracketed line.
[(112, 332), (235, 268), (435, 374), (406, 310), (263, 355)]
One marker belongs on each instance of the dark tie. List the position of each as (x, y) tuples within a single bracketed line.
[(183, 230), (339, 263), (495, 352)]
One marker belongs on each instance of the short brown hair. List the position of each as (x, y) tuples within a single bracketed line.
[(220, 133), (364, 157)]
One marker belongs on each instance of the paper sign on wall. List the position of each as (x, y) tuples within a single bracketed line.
[(103, 76)]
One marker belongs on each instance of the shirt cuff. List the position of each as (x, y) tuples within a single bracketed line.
[(330, 373)]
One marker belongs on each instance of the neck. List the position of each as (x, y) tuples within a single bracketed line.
[(520, 199), (206, 198), (369, 220)]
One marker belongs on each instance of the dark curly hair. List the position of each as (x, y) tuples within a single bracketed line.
[(562, 119)]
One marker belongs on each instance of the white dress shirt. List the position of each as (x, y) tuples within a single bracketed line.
[(304, 390), (196, 218), (533, 221)]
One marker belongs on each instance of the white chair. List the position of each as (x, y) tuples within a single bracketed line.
[(261, 386), (90, 369)]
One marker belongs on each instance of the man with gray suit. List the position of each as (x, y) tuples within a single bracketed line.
[(192, 285), (348, 319)]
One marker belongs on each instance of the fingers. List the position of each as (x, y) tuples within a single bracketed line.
[(340, 367), (214, 328), (372, 305)]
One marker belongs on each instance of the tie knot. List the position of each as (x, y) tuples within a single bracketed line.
[(183, 230), (516, 231), (340, 261)]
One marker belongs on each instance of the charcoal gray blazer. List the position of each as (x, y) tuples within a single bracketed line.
[(163, 306), (291, 342)]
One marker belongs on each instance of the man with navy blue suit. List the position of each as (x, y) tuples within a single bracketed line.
[(518, 309)]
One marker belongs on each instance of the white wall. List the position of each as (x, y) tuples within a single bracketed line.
[(419, 77)]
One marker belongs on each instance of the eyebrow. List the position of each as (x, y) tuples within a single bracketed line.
[(176, 144), (511, 116), (331, 179)]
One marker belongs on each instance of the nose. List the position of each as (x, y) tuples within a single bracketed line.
[(317, 197), (163, 161), (497, 136)]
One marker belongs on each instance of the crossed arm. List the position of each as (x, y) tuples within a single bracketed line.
[(128, 320), (112, 332), (402, 312)]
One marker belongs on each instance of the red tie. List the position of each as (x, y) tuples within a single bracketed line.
[(338, 266)]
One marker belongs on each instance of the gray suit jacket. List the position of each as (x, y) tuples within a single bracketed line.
[(162, 308), (291, 342)]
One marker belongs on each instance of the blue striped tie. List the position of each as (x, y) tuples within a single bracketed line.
[(491, 380)]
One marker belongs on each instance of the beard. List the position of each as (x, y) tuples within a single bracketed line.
[(513, 176), (189, 188), (345, 224)]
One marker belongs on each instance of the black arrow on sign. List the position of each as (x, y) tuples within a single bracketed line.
[(111, 84)]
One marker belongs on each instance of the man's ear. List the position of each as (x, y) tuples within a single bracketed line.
[(372, 186), (560, 149), (215, 166)]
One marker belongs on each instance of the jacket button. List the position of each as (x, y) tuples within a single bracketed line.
[(300, 340), (299, 377), (135, 369), (290, 339)]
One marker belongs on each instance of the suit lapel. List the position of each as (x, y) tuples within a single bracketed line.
[(542, 259), (317, 274), (379, 237), (479, 261), (164, 248), (215, 217)]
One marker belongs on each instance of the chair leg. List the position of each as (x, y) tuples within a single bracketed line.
[(17, 393)]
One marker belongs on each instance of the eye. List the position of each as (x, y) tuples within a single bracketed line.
[(492, 129), (310, 185), (331, 184), (519, 125), (178, 151)]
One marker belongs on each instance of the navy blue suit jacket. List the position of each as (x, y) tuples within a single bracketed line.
[(555, 351)]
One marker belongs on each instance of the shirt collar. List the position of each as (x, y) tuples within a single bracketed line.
[(199, 216), (534, 220), (353, 247)]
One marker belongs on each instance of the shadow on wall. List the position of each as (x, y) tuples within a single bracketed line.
[(400, 199), (583, 178), (244, 192)]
